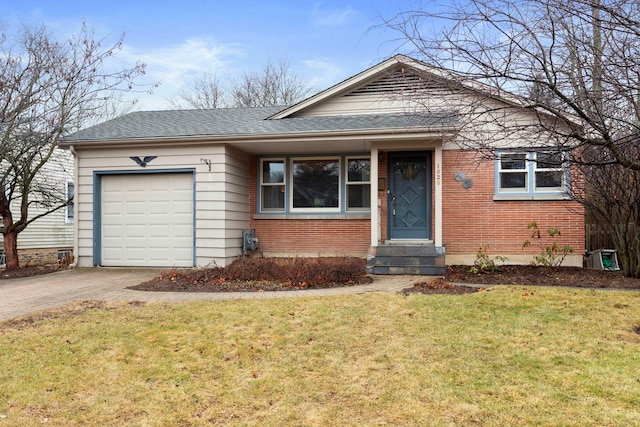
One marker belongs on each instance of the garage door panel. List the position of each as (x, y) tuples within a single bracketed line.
[(182, 208), (112, 254), (112, 208), (133, 231), (180, 231), (135, 208), (112, 231), (161, 231), (147, 220), (161, 207), (135, 254)]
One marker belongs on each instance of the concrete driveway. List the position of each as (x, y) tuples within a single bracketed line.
[(27, 295), (30, 294)]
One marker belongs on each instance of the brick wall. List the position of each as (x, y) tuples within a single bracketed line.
[(471, 218), (305, 237)]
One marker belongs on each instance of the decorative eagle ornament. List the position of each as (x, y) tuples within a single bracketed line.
[(142, 162)]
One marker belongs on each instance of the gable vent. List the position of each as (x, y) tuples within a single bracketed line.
[(398, 82)]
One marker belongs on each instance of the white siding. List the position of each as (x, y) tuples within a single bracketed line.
[(53, 230)]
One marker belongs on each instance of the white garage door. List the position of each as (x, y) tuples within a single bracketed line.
[(147, 220)]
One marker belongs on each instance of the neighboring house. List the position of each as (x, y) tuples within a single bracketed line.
[(49, 239), (354, 170)]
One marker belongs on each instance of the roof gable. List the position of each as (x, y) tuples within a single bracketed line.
[(403, 79), (395, 76)]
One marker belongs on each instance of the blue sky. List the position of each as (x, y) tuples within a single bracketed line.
[(323, 41)]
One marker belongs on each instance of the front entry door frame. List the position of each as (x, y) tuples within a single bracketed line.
[(409, 199)]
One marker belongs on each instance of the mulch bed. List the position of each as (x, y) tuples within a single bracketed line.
[(164, 285), (35, 270), (528, 275), (452, 283)]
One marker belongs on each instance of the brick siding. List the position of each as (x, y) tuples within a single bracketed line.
[(471, 218), (304, 237)]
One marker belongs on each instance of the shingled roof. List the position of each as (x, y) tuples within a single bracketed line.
[(252, 121)]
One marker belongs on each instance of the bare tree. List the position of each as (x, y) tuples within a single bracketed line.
[(573, 64), (581, 55), (204, 92), (612, 200), (47, 88), (274, 85)]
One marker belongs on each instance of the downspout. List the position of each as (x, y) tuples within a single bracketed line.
[(76, 174)]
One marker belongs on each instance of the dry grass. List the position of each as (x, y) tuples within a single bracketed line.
[(509, 356)]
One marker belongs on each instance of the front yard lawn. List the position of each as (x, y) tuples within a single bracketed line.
[(506, 356)]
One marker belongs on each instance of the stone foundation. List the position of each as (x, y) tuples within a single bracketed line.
[(44, 256)]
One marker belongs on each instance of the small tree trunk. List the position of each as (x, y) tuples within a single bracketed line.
[(627, 242), (11, 250)]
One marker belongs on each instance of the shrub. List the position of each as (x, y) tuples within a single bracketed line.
[(551, 253), (484, 262), (299, 272)]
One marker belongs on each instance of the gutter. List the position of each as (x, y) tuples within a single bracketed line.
[(76, 174)]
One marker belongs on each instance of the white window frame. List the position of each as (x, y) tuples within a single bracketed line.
[(69, 208), (349, 183), (282, 184), (560, 169), (502, 171), (531, 191), (289, 161)]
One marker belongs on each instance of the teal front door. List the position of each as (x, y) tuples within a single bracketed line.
[(409, 195)]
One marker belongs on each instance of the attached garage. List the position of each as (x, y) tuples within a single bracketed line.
[(146, 220)]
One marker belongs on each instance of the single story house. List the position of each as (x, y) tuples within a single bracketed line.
[(371, 167)]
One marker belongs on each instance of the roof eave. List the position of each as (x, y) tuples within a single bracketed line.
[(369, 134)]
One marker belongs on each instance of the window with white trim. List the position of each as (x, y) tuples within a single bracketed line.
[(549, 171), (69, 208), (513, 172), (327, 184), (358, 184), (272, 185), (530, 173)]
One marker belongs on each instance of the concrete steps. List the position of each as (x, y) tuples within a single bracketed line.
[(406, 258)]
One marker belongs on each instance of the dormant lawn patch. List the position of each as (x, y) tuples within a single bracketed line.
[(507, 356)]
